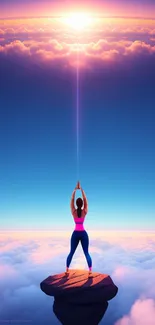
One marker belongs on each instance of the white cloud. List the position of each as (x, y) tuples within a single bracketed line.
[(28, 258)]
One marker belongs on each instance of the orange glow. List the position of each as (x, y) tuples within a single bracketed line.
[(97, 40)]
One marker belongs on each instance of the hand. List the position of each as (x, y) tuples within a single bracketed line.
[(78, 186)]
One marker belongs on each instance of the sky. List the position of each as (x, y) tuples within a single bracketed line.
[(38, 126), (18, 8), (41, 45)]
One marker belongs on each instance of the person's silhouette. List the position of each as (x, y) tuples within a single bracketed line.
[(79, 233)]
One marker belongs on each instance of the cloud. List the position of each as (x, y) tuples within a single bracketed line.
[(49, 27), (2, 32), (142, 310), (46, 42), (139, 48), (29, 257), (103, 51), (15, 48)]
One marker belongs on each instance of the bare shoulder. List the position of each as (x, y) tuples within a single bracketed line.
[(85, 211), (74, 213)]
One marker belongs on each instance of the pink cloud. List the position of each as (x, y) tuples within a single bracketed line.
[(142, 313), (44, 253), (6, 270), (121, 272), (152, 32), (45, 28), (2, 32), (139, 47), (15, 48), (9, 31), (129, 240), (101, 51), (7, 246)]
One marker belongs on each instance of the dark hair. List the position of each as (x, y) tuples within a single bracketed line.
[(79, 203)]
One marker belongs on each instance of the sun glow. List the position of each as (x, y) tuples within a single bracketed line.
[(78, 21)]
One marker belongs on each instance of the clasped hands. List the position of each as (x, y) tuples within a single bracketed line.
[(78, 186)]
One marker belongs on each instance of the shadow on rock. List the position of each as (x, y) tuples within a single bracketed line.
[(69, 314), (79, 300)]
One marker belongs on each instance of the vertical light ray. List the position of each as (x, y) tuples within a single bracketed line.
[(77, 111)]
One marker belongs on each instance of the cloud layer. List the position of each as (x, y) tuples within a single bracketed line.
[(51, 43), (28, 258)]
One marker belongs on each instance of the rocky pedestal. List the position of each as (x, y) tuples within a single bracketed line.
[(78, 298)]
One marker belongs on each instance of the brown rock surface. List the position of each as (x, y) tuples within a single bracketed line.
[(78, 288)]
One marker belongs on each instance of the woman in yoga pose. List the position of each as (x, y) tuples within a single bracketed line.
[(79, 233)]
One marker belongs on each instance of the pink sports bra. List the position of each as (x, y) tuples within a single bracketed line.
[(79, 221)]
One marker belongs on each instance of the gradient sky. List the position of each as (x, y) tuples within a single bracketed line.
[(38, 122), (15, 8)]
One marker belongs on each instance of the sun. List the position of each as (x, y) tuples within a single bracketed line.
[(78, 21)]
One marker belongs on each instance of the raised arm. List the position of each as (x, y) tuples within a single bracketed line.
[(85, 200), (72, 202)]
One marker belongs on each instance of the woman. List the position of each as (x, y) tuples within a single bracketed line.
[(79, 233)]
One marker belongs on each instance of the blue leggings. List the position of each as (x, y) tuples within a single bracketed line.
[(76, 237)]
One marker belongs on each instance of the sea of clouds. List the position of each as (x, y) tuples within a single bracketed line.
[(27, 258), (47, 43)]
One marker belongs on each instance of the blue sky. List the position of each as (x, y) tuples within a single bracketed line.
[(38, 139), (38, 146)]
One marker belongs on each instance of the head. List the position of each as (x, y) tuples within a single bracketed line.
[(79, 203)]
